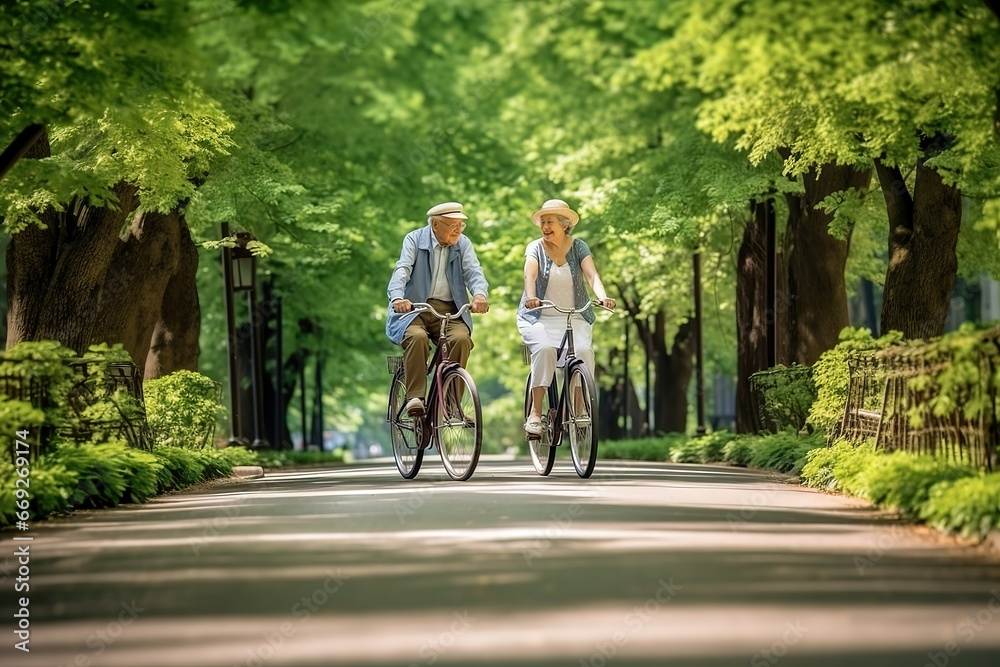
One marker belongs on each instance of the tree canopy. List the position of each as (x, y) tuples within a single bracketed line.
[(327, 129)]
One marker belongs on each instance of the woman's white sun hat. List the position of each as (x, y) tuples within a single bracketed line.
[(555, 207)]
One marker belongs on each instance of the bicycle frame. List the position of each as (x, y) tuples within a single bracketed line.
[(562, 411), (438, 364), (448, 420)]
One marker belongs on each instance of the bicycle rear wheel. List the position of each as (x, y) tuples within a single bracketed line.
[(406, 431), (459, 424), (542, 449), (581, 421)]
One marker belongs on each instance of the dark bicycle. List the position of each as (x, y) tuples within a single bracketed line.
[(572, 411), (452, 418)]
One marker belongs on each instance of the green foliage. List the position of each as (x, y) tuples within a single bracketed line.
[(789, 392), (689, 451), (903, 481), (645, 449), (960, 380), (739, 451), (61, 371), (969, 506), (105, 474), (818, 471), (831, 376), (950, 496), (181, 467), (784, 452), (182, 409), (713, 444), (278, 459)]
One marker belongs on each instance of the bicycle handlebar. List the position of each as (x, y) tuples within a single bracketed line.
[(420, 307), (571, 311)]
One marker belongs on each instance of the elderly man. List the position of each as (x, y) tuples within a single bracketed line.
[(437, 265)]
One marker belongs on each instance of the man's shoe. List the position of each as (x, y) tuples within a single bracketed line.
[(414, 407)]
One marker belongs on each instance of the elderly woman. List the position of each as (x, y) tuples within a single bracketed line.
[(555, 268)]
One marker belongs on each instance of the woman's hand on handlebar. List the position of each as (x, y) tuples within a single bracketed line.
[(533, 302), (608, 303)]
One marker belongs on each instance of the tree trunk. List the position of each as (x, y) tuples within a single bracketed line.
[(174, 345), (93, 274), (813, 306), (751, 312), (923, 234), (673, 375)]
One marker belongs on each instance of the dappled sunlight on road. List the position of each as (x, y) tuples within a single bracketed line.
[(703, 563)]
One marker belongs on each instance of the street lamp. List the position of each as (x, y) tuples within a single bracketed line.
[(239, 267), (243, 266)]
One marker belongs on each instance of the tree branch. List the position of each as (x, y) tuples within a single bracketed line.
[(898, 202), (17, 148), (286, 144)]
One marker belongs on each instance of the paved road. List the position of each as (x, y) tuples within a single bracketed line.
[(645, 564)]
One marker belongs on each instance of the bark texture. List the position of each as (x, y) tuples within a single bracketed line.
[(752, 312), (96, 275), (923, 234), (812, 307)]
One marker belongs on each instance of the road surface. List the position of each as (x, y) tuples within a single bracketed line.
[(644, 564)]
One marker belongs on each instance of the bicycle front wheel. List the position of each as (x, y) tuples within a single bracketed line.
[(581, 419), (542, 449), (459, 424), (406, 432)]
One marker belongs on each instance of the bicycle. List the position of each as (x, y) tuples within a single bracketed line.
[(559, 414), (453, 422)]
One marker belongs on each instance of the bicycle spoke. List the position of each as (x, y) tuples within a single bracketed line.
[(542, 449), (459, 424), (404, 431), (581, 420)]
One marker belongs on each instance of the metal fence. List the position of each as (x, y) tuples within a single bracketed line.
[(67, 408), (894, 397)]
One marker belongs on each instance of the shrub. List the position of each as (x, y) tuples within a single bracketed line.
[(181, 467), (832, 377), (849, 468), (712, 444), (277, 459), (784, 452), (819, 466), (788, 393), (688, 451), (739, 451), (181, 409), (969, 506), (903, 481), (645, 449)]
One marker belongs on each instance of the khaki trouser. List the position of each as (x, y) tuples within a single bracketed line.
[(416, 345)]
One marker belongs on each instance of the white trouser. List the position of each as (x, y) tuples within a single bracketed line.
[(543, 338)]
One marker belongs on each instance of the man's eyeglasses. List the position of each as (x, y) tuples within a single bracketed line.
[(460, 226)]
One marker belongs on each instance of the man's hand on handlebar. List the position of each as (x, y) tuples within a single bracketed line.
[(402, 305), (479, 304)]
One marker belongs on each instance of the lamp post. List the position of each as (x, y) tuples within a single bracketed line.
[(239, 268), (699, 385)]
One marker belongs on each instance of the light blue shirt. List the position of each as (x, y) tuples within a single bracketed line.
[(412, 278)]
